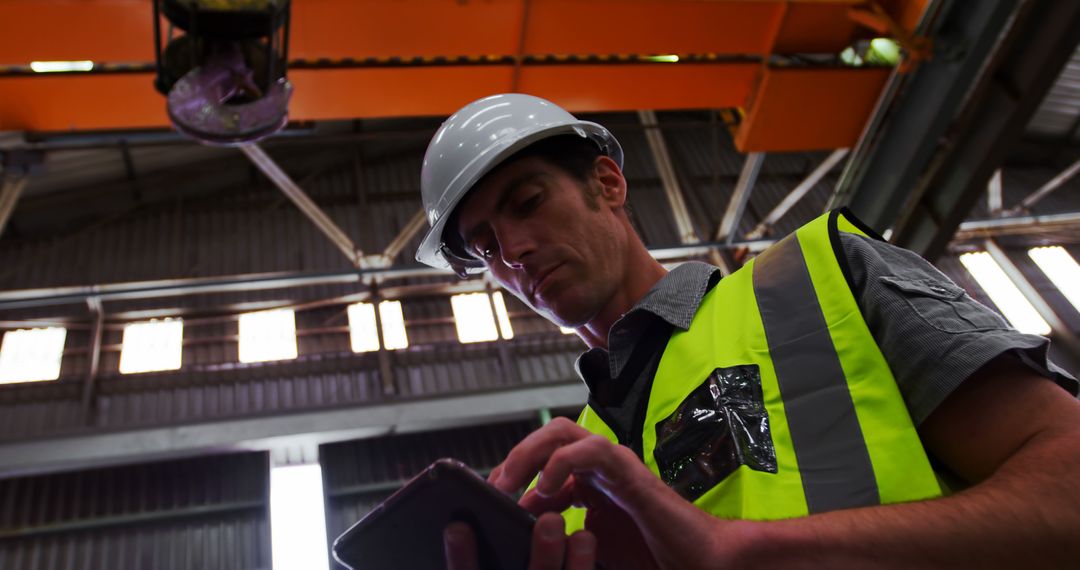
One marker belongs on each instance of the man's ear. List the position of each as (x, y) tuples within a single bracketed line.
[(612, 182)]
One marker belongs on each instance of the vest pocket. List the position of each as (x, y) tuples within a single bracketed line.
[(721, 426), (943, 305)]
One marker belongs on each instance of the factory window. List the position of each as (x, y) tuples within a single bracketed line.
[(297, 517), (1062, 270), (393, 325), (152, 346), (1004, 293), (268, 335), (31, 355), (362, 333), (474, 319)]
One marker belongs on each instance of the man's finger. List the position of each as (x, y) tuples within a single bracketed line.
[(605, 463), (581, 551), (495, 473), (527, 457), (548, 543), (537, 505), (459, 543)]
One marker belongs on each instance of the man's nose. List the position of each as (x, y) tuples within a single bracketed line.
[(515, 245)]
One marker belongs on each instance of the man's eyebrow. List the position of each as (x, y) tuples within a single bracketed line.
[(504, 197)]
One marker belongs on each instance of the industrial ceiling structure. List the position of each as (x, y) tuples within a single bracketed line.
[(741, 120)]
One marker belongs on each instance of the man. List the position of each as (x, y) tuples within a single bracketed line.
[(804, 411)]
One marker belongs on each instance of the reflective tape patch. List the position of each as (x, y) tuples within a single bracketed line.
[(833, 460)]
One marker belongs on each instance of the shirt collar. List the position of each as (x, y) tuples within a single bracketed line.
[(675, 299)]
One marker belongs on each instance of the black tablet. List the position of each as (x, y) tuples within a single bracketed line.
[(406, 530)]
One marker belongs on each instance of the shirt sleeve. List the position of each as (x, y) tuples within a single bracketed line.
[(932, 334)]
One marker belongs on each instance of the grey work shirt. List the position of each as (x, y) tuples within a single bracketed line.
[(931, 348)]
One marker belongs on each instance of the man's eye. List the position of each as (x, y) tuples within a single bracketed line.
[(531, 202)]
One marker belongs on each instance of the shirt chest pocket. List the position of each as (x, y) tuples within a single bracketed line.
[(943, 305)]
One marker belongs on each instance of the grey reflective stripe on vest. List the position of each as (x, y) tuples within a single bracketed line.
[(829, 446)]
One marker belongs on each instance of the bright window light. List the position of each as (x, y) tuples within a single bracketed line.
[(393, 325), (472, 317), (268, 335), (152, 346), (362, 333), (58, 66), (565, 330), (31, 355), (502, 315), (297, 519), (364, 337), (1004, 293), (474, 320), (1062, 270)]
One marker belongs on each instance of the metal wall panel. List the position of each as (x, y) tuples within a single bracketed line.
[(205, 513)]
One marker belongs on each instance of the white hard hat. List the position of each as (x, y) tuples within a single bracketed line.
[(475, 140)]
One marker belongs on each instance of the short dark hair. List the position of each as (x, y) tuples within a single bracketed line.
[(574, 154)]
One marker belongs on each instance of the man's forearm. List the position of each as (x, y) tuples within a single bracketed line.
[(1028, 511)]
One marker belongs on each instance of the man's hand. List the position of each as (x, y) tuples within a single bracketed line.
[(551, 548), (638, 521)]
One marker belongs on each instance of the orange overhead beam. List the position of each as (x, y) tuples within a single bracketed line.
[(797, 109), (126, 101), (120, 31)]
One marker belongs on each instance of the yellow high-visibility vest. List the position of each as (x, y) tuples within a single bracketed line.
[(779, 374)]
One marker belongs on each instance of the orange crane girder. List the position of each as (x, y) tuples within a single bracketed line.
[(120, 31)]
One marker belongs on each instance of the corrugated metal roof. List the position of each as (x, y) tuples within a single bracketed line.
[(1059, 113)]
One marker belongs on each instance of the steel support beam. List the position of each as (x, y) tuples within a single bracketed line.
[(890, 158), (1058, 328), (1025, 46), (729, 225), (1017, 226), (415, 224), (9, 196), (658, 147), (51, 296), (797, 193), (993, 194), (96, 331), (272, 432), (1054, 183), (304, 202)]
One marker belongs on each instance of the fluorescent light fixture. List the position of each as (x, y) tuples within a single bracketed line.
[(1062, 270), (663, 58), (393, 325), (1004, 293), (31, 355), (565, 330), (152, 346), (297, 518), (502, 315), (362, 334), (473, 318), (268, 335), (60, 66)]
